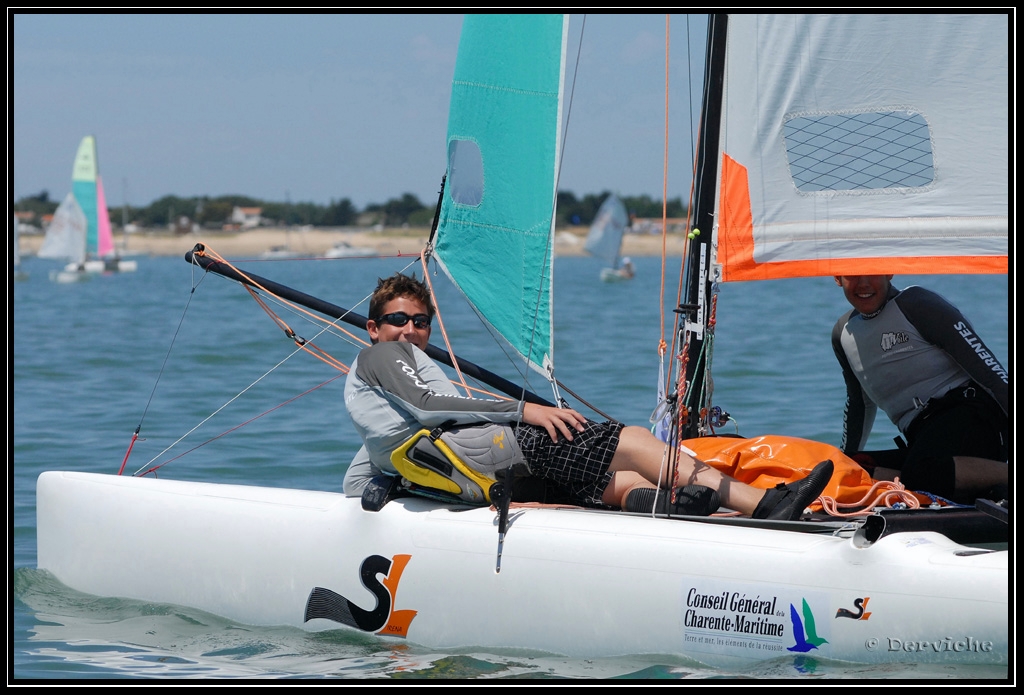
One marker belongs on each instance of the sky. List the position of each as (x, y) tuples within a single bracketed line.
[(322, 107)]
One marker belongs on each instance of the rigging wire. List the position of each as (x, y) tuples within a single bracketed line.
[(160, 372), (302, 345), (440, 323), (675, 375), (664, 197), (153, 469), (565, 136), (264, 298), (548, 266)]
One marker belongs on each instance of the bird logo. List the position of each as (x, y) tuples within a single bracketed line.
[(805, 634)]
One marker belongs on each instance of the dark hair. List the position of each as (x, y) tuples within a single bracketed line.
[(399, 285)]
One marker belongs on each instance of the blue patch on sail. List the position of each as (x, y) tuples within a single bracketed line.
[(466, 172)]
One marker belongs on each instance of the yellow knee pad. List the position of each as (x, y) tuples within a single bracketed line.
[(431, 463)]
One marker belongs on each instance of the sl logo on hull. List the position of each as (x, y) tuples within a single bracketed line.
[(383, 619), (860, 604)]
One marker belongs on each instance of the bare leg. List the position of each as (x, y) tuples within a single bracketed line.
[(880, 473), (642, 452), (976, 475), (621, 485), (973, 475)]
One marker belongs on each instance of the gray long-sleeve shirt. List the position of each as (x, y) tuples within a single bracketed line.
[(393, 390)]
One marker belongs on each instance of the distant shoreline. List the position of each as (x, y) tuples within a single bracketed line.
[(315, 242)]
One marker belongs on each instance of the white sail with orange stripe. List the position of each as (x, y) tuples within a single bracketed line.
[(863, 144)]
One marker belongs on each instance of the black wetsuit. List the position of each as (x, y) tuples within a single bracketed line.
[(920, 361)]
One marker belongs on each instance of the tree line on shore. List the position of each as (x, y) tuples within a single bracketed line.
[(215, 213)]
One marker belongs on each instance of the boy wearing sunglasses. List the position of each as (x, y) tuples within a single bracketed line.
[(394, 390)]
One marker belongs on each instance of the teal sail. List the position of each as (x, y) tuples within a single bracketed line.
[(83, 185), (495, 228)]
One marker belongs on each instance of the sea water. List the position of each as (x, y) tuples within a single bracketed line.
[(164, 348)]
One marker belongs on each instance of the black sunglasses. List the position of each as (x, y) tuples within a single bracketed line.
[(400, 318)]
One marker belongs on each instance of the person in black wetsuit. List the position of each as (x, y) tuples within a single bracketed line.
[(914, 355)]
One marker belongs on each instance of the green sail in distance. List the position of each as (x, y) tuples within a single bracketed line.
[(83, 185)]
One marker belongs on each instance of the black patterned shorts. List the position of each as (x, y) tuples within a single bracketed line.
[(579, 466)]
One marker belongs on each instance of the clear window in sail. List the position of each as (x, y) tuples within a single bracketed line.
[(844, 152), (465, 172)]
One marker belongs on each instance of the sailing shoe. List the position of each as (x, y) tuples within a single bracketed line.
[(788, 501), (692, 500)]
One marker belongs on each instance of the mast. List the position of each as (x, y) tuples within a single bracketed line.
[(124, 214), (287, 221), (694, 312)]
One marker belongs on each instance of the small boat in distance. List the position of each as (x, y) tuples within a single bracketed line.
[(65, 241), (605, 239), (343, 249), (278, 253), (625, 271), (19, 274), (80, 231)]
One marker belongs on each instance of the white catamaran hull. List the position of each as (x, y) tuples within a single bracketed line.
[(100, 265), (613, 275), (576, 582)]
